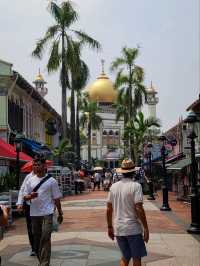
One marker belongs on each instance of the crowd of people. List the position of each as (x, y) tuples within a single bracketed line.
[(39, 197), (103, 178)]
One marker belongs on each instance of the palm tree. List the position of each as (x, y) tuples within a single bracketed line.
[(79, 76), (81, 82), (60, 37), (63, 152), (91, 119), (129, 76), (129, 81), (139, 129)]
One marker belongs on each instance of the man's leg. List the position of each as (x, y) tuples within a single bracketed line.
[(29, 225), (123, 262), (37, 232), (125, 250), (137, 262), (45, 242)]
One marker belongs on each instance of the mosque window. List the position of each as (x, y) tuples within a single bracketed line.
[(104, 138), (94, 139), (111, 138), (116, 138)]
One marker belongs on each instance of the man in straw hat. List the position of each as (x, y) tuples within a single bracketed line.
[(126, 218)]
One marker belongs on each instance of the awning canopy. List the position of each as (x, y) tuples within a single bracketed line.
[(180, 164), (7, 151), (33, 147)]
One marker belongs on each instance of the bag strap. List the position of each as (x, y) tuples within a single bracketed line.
[(41, 182)]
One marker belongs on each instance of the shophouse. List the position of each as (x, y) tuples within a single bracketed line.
[(23, 109)]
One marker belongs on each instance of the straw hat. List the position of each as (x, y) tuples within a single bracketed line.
[(127, 166)]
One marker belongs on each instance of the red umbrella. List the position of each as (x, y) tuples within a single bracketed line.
[(27, 167)]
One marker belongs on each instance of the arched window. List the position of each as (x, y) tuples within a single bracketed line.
[(94, 139), (111, 138), (116, 138), (104, 138)]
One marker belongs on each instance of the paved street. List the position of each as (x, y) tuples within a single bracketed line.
[(82, 239)]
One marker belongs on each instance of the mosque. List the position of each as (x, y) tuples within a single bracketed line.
[(107, 142)]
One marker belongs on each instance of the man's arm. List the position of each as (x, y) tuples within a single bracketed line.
[(21, 193), (142, 217), (59, 208), (109, 220), (4, 212)]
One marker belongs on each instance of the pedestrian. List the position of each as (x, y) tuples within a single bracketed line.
[(141, 177), (43, 193), (25, 205), (4, 213), (97, 180), (126, 217)]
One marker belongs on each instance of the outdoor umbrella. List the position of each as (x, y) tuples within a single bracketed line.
[(27, 167), (98, 168)]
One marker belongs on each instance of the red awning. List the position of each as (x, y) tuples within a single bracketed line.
[(7, 151)]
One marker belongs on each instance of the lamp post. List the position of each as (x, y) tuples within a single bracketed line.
[(18, 140), (165, 206), (194, 227), (150, 184)]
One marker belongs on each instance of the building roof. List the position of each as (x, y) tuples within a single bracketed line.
[(25, 85), (195, 106)]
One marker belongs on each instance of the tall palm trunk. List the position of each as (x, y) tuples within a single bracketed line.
[(89, 141), (78, 145), (72, 119), (64, 93)]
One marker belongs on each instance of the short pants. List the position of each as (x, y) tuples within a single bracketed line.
[(132, 246)]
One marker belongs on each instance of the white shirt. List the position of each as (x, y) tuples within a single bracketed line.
[(21, 194), (124, 195), (48, 191), (97, 177)]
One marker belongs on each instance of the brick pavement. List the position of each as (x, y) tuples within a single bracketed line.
[(82, 238)]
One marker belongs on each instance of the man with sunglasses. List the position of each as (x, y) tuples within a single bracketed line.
[(43, 193)]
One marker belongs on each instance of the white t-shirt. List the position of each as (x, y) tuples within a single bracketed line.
[(97, 177), (21, 194), (124, 195), (48, 191)]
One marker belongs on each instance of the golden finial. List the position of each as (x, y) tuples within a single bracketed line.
[(103, 63)]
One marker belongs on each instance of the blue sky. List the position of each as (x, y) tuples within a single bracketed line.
[(167, 31)]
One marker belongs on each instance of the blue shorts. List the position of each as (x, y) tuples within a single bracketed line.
[(132, 246)]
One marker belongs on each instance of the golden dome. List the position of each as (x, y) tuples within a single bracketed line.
[(102, 90), (39, 77), (151, 89)]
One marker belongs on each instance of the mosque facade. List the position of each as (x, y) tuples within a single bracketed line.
[(107, 143)]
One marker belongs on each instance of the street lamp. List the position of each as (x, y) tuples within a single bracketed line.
[(18, 140), (165, 206), (195, 198), (150, 184)]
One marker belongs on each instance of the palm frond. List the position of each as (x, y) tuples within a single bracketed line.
[(121, 80), (55, 58), (69, 15), (55, 11), (41, 44), (118, 62), (92, 43)]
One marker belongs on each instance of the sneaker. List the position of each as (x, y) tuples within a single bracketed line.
[(32, 254)]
